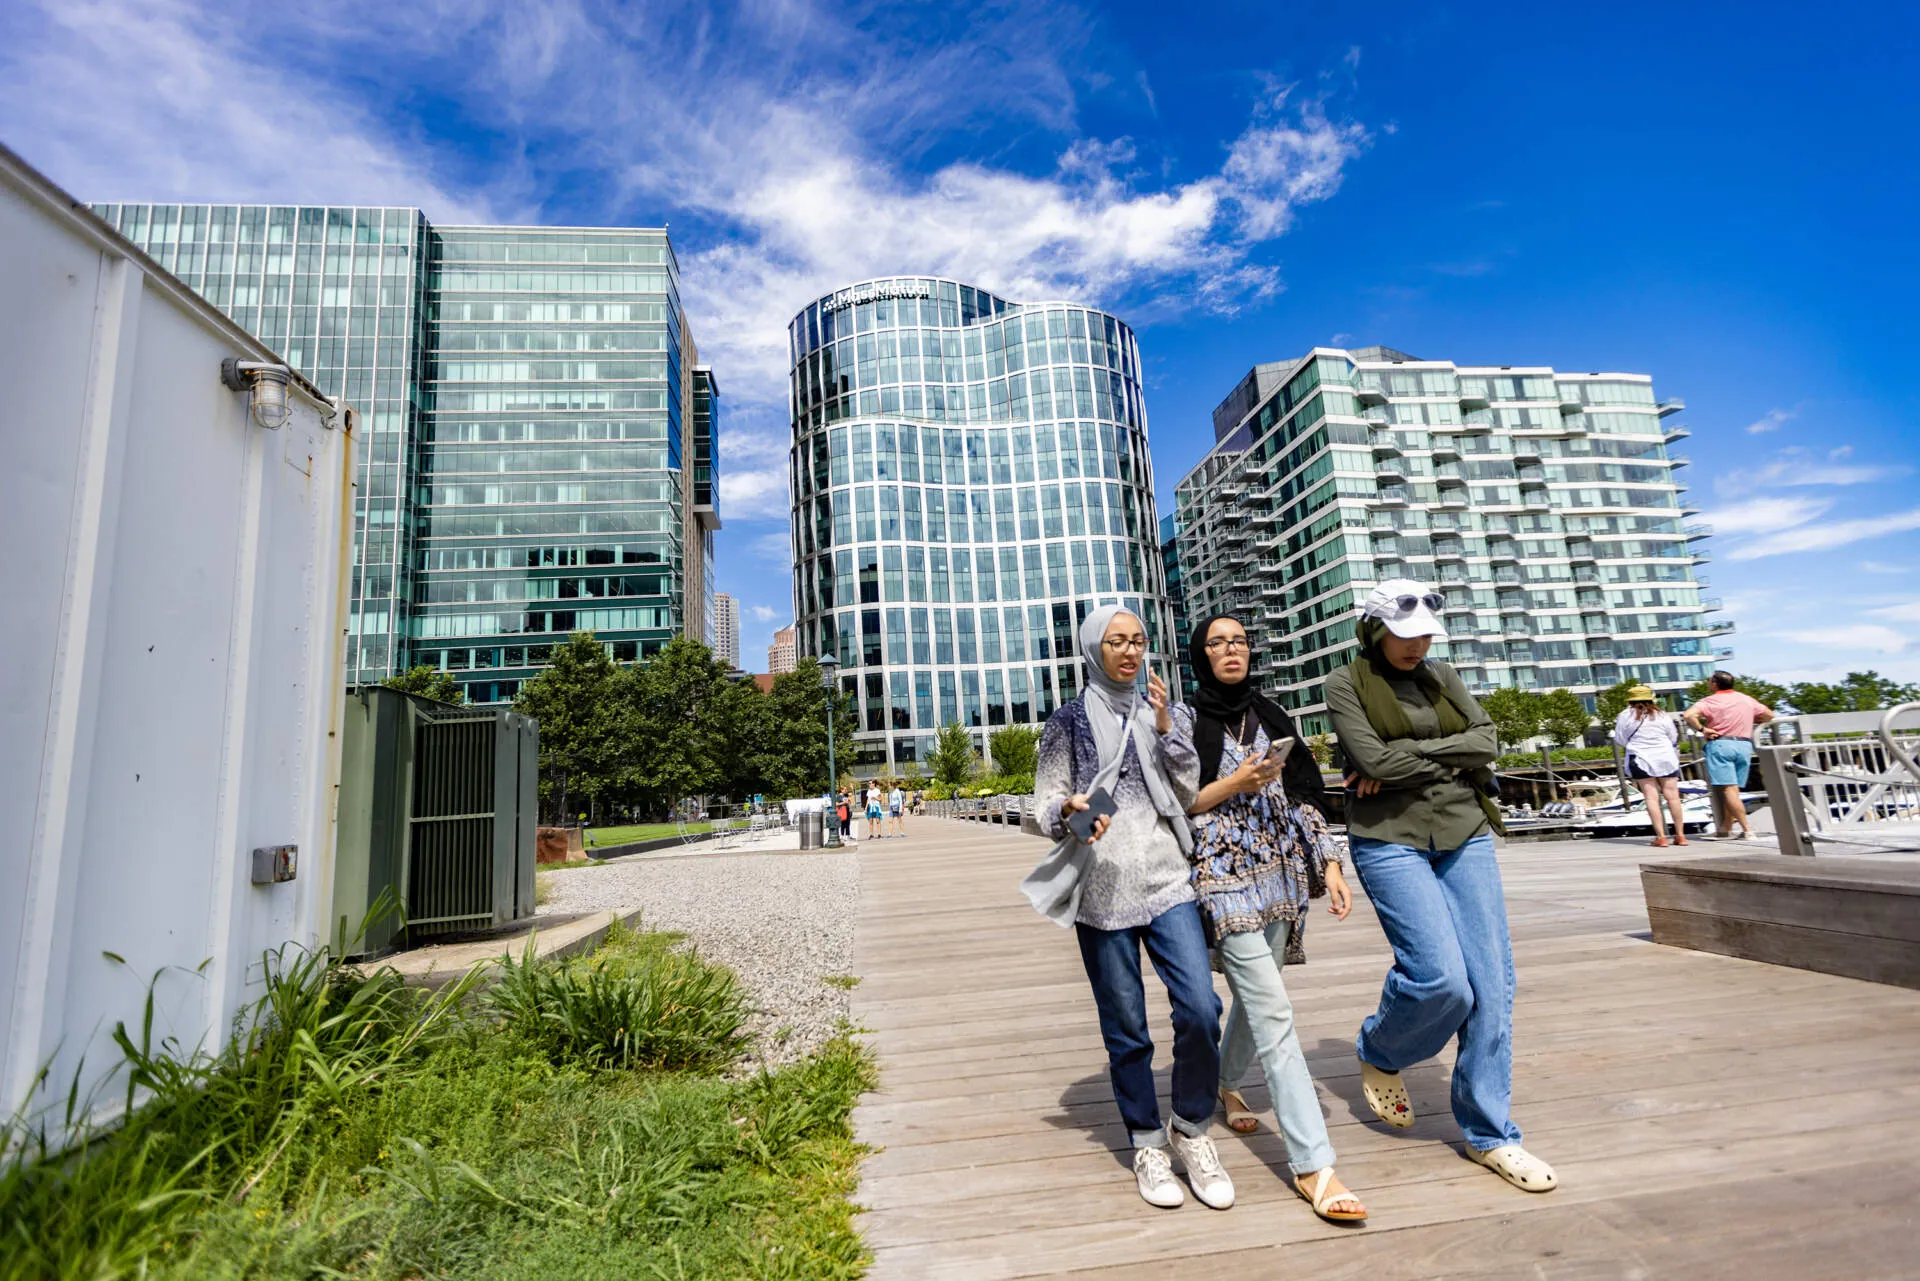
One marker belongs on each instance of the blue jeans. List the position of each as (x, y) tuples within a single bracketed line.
[(1178, 947), (1261, 1023), (1728, 760), (1452, 975)]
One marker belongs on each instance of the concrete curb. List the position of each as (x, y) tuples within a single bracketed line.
[(442, 963)]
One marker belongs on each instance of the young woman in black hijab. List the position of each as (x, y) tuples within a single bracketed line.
[(1261, 851)]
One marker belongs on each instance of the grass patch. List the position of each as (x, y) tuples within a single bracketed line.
[(569, 1121), (845, 982), (599, 836)]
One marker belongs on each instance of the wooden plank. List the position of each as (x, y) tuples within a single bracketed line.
[(1877, 960), (1866, 908), (1650, 1076)]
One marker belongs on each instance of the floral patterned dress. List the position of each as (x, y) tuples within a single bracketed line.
[(1257, 857)]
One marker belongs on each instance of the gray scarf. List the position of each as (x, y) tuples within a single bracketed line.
[(1114, 708)]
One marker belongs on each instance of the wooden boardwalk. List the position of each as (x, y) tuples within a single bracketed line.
[(1708, 1116)]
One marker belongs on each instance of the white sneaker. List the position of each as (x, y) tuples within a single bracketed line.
[(1153, 1171), (1201, 1161)]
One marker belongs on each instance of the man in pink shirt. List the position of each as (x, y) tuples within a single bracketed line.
[(1727, 718)]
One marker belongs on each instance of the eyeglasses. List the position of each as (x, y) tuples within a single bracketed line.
[(1226, 644), (1126, 644), (1405, 605)]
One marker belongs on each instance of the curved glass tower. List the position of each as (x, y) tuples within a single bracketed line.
[(969, 478)]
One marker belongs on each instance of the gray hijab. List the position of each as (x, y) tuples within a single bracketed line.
[(1114, 709)]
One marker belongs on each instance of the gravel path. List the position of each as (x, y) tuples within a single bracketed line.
[(782, 922)]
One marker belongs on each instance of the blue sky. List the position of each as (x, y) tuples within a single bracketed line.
[(1721, 195)]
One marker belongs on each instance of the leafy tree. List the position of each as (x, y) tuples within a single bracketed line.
[(1015, 749), (428, 682), (1859, 692), (794, 741), (1563, 718), (953, 756), (1321, 745), (581, 735), (1766, 691), (1516, 714), (676, 734), (1613, 700)]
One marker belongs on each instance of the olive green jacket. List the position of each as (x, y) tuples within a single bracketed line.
[(1424, 801)]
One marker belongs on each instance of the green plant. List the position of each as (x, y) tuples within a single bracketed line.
[(673, 1012), (1563, 718), (1015, 749), (429, 682), (953, 757), (1515, 713), (1321, 745)]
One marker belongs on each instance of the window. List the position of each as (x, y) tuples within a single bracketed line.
[(1036, 580), (963, 626), (1019, 709), (897, 638), (922, 642), (902, 718), (996, 700), (916, 573), (1016, 636), (970, 693), (949, 703), (943, 636), (891, 576), (963, 574), (923, 700), (1037, 631), (1010, 573), (942, 587), (869, 576)]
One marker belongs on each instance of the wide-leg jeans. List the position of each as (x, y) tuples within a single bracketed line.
[(1177, 945), (1446, 917), (1261, 1024)]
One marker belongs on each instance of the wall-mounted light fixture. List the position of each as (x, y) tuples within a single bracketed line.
[(268, 383)]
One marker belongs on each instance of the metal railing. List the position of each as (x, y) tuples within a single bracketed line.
[(1843, 779), (1006, 810)]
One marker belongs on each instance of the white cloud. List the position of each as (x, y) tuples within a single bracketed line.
[(1773, 420), (1822, 537), (1884, 640), (1796, 468), (1904, 612), (164, 100), (763, 613), (1765, 514), (1884, 567)]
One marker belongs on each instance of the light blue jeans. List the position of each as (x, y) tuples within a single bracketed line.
[(1446, 916), (1261, 1023)]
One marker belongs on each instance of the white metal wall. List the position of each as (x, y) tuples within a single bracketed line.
[(171, 653)]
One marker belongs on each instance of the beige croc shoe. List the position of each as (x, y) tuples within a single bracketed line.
[(1517, 1166), (1386, 1094), (1240, 1117)]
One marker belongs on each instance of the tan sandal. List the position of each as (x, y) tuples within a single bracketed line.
[(1517, 1166), (1386, 1094), (1321, 1198), (1240, 1117)]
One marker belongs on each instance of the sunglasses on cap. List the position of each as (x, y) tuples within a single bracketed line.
[(1404, 605)]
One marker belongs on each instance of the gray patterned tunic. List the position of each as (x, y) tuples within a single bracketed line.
[(1137, 870)]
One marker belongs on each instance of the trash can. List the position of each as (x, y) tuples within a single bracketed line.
[(811, 829)]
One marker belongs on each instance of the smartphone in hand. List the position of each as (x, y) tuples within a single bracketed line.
[(1099, 804), (1277, 753)]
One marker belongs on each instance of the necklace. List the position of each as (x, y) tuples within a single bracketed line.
[(1247, 731)]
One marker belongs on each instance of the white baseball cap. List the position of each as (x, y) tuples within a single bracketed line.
[(1407, 608)]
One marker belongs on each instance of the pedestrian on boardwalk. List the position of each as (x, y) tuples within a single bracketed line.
[(844, 813), (1727, 717), (1261, 849), (1418, 820), (1652, 743), (874, 811), (1125, 886), (897, 809)]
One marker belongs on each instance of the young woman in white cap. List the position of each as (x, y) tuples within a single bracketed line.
[(1418, 819), (1652, 740)]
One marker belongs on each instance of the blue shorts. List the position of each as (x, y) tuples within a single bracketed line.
[(1728, 760)]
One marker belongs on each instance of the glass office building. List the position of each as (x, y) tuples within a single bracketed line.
[(1546, 505), (1176, 594), (524, 469), (969, 478)]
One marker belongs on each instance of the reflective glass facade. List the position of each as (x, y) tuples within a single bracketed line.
[(337, 291), (524, 469), (969, 478), (1546, 505)]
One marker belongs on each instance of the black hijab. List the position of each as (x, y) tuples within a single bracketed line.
[(1219, 707)]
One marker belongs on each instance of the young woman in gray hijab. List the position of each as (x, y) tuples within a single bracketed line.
[(1128, 887)]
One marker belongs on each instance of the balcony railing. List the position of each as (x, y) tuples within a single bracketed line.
[(1671, 405)]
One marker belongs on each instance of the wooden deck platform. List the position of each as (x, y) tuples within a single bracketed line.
[(1708, 1116)]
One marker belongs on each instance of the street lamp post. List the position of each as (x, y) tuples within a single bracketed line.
[(831, 822)]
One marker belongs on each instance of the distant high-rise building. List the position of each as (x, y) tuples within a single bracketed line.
[(726, 629), (970, 479), (528, 468), (1544, 504), (781, 655), (1176, 597)]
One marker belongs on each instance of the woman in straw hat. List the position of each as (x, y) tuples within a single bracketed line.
[(1652, 740)]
